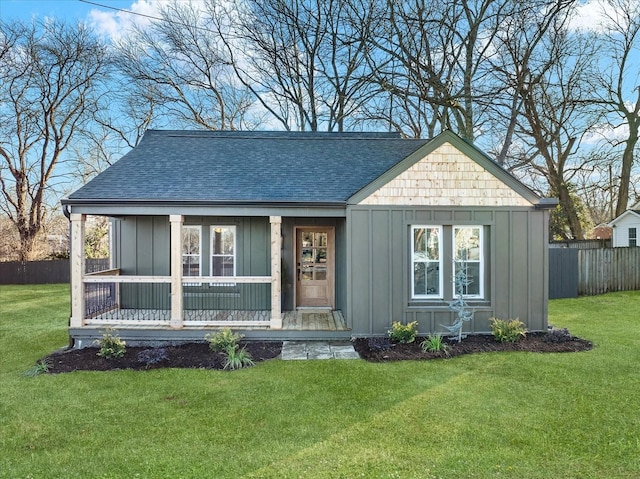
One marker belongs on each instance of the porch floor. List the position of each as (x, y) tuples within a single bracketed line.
[(314, 320), (300, 320)]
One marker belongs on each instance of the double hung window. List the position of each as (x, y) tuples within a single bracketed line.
[(439, 253), (426, 259), (223, 250), (220, 260), (191, 251), (633, 237), (469, 267)]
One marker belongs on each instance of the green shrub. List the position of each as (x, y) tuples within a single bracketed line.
[(237, 358), (434, 343), (403, 333), (507, 331), (223, 340), (111, 346)]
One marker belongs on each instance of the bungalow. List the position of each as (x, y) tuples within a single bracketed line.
[(298, 235), (626, 228)]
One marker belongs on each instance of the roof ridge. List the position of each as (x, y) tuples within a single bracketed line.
[(280, 134)]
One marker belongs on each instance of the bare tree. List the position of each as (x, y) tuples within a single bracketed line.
[(432, 60), (51, 74), (179, 64), (307, 64), (618, 84), (550, 78)]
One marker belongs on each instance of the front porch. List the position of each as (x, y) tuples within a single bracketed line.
[(156, 290), (177, 300)]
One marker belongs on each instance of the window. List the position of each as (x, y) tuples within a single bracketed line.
[(439, 253), (223, 251), (633, 237), (426, 259), (191, 247), (468, 257)]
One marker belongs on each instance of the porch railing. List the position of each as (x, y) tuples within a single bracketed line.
[(112, 299)]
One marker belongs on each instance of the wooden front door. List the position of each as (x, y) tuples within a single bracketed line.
[(315, 267)]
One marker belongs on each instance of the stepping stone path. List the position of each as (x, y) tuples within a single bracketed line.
[(300, 350)]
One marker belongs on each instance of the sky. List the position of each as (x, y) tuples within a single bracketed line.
[(105, 20), (110, 22), (110, 19)]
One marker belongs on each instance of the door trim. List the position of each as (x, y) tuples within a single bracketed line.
[(331, 265)]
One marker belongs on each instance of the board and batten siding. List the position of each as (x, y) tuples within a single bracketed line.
[(143, 244), (452, 184), (142, 247), (379, 260)]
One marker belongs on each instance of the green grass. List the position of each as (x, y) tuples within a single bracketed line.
[(514, 415)]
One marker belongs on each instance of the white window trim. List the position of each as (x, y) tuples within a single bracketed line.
[(211, 254), (481, 260), (198, 228), (413, 261)]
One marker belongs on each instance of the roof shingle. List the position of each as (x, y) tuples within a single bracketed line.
[(228, 167)]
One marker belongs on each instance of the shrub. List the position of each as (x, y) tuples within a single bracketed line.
[(558, 336), (507, 331), (237, 358), (111, 346), (223, 340), (434, 344), (403, 333), (379, 344), (153, 356)]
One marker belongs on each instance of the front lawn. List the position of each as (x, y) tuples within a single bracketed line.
[(515, 415)]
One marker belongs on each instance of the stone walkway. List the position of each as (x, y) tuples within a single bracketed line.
[(297, 350)]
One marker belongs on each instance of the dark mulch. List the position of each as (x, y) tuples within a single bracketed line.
[(191, 355), (379, 349), (198, 355)]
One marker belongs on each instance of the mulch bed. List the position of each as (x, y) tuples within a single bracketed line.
[(198, 355), (190, 355), (379, 349)]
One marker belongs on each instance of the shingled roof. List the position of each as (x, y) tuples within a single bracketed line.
[(247, 167)]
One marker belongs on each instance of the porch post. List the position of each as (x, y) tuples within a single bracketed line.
[(77, 270), (176, 271), (276, 244)]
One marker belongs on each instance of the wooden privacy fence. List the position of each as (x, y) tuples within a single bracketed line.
[(44, 272), (608, 269)]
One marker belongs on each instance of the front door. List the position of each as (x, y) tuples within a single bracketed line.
[(315, 267)]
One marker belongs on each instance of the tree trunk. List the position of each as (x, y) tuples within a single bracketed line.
[(28, 238), (569, 208), (627, 164)]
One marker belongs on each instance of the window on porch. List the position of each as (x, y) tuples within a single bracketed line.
[(223, 250), (191, 248)]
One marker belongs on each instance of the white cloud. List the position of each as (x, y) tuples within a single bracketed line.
[(589, 16), (116, 23), (599, 16), (606, 133)]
